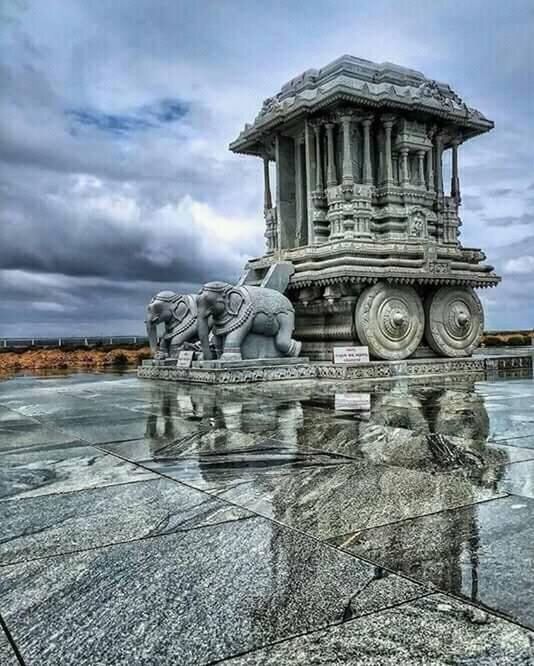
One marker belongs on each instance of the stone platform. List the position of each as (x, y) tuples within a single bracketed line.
[(265, 371)]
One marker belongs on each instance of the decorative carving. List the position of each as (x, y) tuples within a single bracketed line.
[(417, 226), (269, 105), (363, 205), (390, 320), (445, 96), (454, 321), (375, 370), (178, 314), (233, 314), (271, 229)]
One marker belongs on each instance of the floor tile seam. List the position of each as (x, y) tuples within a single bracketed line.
[(488, 609), (418, 517), (59, 493), (499, 440), (315, 630), (315, 449), (11, 641), (310, 536), (296, 530), (209, 493), (436, 590), (285, 526), (125, 542), (518, 462)]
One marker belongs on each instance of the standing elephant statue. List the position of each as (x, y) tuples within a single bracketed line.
[(178, 314), (246, 322)]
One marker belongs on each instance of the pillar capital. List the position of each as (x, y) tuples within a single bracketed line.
[(345, 115), (440, 137), (388, 120)]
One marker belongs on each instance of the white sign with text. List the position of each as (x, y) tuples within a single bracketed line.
[(352, 402), (185, 359), (351, 355)]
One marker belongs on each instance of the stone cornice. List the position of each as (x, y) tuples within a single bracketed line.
[(349, 80)]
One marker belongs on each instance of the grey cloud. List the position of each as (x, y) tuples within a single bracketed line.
[(509, 220), (472, 202), (125, 67), (54, 236)]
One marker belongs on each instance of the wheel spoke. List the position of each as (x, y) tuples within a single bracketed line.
[(390, 321), (454, 321)]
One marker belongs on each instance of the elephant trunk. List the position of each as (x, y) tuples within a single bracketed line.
[(204, 336), (152, 332)]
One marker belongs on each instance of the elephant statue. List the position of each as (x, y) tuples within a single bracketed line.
[(245, 322), (178, 313)]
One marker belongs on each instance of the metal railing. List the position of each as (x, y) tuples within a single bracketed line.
[(17, 343)]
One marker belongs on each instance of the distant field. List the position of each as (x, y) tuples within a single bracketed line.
[(92, 353), (102, 357), (504, 338)]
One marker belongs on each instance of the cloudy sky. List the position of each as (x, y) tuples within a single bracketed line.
[(115, 117)]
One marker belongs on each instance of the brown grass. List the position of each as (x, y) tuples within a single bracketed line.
[(37, 359), (508, 339)]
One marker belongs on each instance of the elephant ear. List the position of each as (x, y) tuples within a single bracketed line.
[(234, 302), (181, 309)]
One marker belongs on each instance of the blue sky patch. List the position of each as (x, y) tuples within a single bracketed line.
[(144, 118)]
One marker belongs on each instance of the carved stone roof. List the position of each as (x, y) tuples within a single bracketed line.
[(351, 80)]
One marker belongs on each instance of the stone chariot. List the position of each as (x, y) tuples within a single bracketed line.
[(360, 212)]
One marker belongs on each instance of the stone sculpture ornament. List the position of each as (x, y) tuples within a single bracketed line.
[(178, 314), (242, 320), (390, 320), (454, 321)]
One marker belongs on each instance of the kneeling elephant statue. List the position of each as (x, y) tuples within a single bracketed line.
[(246, 322), (178, 314)]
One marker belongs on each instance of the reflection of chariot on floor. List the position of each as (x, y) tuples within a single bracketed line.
[(361, 214)]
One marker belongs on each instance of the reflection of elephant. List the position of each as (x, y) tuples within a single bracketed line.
[(246, 322), (178, 313)]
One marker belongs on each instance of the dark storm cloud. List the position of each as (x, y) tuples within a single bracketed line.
[(101, 237), (115, 178)]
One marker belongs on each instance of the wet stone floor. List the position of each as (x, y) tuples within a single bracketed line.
[(299, 523)]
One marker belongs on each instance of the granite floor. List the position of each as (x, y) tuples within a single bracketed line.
[(299, 523)]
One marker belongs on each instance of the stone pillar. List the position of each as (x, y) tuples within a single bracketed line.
[(387, 122), (404, 176), (455, 180), (421, 168), (310, 177), (429, 170), (267, 199), (367, 167), (439, 168), (319, 185), (395, 160), (299, 192), (285, 192), (331, 177), (348, 179)]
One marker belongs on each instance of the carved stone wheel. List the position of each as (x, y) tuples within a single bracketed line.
[(454, 321), (390, 320)]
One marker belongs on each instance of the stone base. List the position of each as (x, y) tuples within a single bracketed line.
[(251, 363), (268, 370)]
